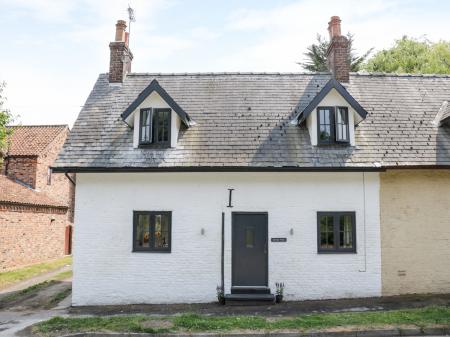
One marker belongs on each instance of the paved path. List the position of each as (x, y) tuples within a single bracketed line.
[(34, 280), (12, 322), (31, 309)]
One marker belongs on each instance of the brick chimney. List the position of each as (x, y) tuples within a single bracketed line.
[(337, 53), (121, 56)]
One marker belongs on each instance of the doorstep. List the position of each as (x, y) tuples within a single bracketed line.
[(249, 299)]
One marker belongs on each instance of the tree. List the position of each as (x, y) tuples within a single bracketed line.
[(316, 56), (5, 119), (413, 56)]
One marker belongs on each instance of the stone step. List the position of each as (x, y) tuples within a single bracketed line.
[(250, 290), (249, 299)]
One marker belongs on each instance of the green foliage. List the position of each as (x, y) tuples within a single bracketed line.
[(5, 119), (412, 56), (8, 278), (422, 317), (316, 56), (127, 323)]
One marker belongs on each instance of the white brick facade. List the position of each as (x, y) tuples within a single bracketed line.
[(106, 271)]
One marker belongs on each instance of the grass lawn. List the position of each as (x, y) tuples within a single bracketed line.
[(430, 316), (10, 277)]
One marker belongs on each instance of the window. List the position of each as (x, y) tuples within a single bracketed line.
[(49, 176), (342, 134), (333, 125), (336, 232), (154, 127), (152, 231)]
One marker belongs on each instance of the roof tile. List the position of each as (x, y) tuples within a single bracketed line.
[(32, 140), (243, 120)]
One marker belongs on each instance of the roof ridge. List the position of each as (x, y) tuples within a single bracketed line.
[(225, 73), (38, 125), (246, 73)]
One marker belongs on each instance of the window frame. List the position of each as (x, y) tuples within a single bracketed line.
[(336, 249), (141, 120), (344, 141), (151, 249), (332, 125), (154, 132)]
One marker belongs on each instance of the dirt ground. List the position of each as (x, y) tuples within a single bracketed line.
[(285, 309), (20, 309), (44, 297)]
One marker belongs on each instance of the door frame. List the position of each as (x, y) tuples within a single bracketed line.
[(233, 253)]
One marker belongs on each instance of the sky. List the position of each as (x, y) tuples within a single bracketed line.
[(53, 50)]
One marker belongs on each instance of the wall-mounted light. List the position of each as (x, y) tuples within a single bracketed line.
[(291, 231)]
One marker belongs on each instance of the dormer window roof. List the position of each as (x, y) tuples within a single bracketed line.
[(154, 86), (331, 84), (443, 116)]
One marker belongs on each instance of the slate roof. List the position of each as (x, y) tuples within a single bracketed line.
[(12, 192), (243, 122), (32, 140)]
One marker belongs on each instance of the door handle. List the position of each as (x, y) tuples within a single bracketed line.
[(265, 248)]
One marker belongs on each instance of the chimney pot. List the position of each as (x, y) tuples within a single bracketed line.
[(334, 26), (120, 30)]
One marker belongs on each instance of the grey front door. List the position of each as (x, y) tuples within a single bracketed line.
[(249, 249)]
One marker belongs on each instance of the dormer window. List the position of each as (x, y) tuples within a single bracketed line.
[(155, 126), (331, 116), (333, 125)]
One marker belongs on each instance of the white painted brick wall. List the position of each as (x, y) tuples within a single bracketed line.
[(107, 272)]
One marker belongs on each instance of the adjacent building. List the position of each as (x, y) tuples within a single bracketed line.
[(36, 204)]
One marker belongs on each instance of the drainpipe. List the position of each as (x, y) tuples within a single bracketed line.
[(364, 223), (222, 269)]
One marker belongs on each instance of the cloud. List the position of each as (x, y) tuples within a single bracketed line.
[(281, 34)]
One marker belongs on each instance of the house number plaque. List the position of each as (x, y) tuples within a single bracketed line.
[(278, 239)]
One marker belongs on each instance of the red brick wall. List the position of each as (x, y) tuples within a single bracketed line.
[(28, 235), (60, 189), (22, 168)]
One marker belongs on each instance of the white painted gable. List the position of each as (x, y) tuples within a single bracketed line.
[(333, 98), (154, 100)]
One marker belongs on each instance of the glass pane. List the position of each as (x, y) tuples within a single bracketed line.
[(147, 117), (249, 237), (338, 131), (341, 124), (155, 126), (166, 125), (324, 116), (143, 231), (325, 133), (145, 126), (326, 232), (161, 231), (345, 231)]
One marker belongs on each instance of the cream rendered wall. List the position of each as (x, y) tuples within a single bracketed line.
[(106, 271), (415, 231), (332, 99), (155, 101)]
